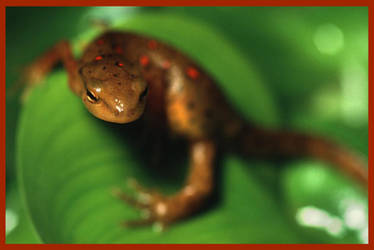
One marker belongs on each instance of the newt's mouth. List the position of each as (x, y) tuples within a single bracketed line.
[(143, 94)]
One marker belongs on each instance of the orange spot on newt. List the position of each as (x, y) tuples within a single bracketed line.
[(98, 58), (192, 73), (166, 64), (100, 42), (144, 60), (119, 49), (152, 44), (119, 64)]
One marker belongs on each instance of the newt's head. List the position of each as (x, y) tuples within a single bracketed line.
[(113, 89)]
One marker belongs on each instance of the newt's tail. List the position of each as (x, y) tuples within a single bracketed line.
[(268, 143)]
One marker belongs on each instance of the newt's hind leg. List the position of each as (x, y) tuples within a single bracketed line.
[(37, 71), (168, 209)]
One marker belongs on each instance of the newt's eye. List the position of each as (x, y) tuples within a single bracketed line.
[(92, 97)]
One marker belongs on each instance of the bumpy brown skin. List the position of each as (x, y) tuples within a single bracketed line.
[(122, 75)]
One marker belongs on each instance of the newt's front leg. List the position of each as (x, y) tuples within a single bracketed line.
[(198, 186), (61, 52)]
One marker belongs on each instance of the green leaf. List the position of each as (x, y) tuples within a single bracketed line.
[(19, 228), (68, 161)]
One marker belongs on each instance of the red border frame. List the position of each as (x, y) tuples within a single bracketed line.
[(188, 3), (4, 4)]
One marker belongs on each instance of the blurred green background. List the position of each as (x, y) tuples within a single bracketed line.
[(310, 71)]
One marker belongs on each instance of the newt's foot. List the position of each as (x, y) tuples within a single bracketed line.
[(156, 208), (31, 76)]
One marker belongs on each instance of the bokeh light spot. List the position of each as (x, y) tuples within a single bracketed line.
[(354, 216), (314, 217), (329, 39), (354, 93), (11, 220), (364, 235)]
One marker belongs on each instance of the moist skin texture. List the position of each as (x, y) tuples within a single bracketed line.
[(123, 76)]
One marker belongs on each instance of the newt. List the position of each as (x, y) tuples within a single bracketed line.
[(123, 76)]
